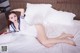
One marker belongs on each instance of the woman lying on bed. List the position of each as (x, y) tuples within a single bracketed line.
[(15, 26)]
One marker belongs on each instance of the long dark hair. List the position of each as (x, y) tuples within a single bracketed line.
[(7, 17)]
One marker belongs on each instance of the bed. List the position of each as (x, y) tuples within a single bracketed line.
[(20, 43)]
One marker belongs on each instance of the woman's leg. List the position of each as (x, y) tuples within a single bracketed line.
[(48, 42), (52, 41)]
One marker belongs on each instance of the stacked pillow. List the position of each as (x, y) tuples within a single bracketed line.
[(44, 13), (35, 13), (59, 17)]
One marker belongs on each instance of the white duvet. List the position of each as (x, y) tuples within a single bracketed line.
[(21, 43)]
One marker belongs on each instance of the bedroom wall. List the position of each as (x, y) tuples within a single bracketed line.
[(65, 5)]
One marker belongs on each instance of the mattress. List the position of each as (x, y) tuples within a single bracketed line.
[(29, 44)]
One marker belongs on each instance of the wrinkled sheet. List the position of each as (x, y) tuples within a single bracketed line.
[(29, 44)]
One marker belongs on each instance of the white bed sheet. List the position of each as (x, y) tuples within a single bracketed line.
[(28, 44)]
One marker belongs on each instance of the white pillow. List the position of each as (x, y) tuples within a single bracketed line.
[(59, 17), (36, 12)]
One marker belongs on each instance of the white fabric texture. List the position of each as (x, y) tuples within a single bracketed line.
[(59, 17), (7, 38), (36, 11), (27, 29), (44, 13)]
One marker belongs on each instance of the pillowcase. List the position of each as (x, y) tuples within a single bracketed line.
[(59, 17), (35, 13)]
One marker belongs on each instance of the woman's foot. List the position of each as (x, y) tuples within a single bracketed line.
[(68, 41), (66, 36)]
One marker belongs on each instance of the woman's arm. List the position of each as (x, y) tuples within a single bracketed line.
[(6, 31), (21, 10)]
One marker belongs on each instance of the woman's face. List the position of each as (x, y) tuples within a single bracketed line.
[(13, 17)]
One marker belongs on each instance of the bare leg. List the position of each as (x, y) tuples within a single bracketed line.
[(66, 38), (60, 40), (44, 40)]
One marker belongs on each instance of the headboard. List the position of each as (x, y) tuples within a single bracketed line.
[(64, 5)]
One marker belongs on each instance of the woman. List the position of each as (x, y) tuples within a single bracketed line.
[(15, 26)]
